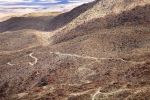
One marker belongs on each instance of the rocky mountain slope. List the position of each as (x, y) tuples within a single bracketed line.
[(107, 11), (102, 53)]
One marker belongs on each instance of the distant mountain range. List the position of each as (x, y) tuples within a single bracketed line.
[(40, 4), (13, 7)]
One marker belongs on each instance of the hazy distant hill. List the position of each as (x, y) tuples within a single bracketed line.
[(47, 22), (31, 21), (98, 51)]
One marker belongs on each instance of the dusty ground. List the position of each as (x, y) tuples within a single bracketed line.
[(103, 58)]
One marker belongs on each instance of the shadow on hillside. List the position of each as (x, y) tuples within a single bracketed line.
[(18, 23)]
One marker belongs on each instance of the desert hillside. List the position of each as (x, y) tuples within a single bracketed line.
[(34, 21), (97, 51)]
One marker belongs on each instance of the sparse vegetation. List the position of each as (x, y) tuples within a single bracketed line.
[(98, 51)]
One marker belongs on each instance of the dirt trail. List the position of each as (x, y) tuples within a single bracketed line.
[(35, 59), (94, 58)]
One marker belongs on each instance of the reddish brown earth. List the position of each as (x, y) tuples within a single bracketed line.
[(101, 57)]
